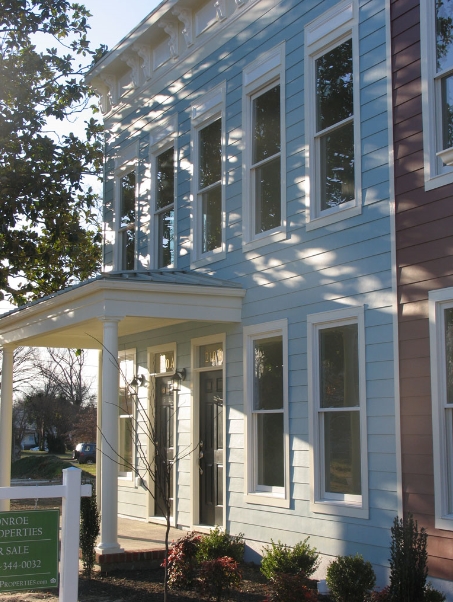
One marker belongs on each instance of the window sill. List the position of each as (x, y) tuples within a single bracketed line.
[(446, 156), (339, 509), (208, 259), (264, 239), (444, 522), (267, 499), (332, 218)]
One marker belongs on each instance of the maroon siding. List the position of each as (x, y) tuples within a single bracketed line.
[(424, 249)]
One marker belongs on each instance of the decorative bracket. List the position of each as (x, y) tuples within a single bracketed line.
[(144, 52), (185, 16), (133, 61), (171, 29)]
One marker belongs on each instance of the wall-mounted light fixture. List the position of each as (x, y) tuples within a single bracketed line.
[(138, 381), (177, 378)]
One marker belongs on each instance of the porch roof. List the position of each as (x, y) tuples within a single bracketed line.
[(141, 301)]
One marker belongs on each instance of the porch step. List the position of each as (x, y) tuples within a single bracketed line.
[(132, 560)]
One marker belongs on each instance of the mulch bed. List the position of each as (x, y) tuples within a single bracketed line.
[(146, 586)]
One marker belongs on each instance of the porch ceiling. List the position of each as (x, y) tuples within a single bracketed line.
[(140, 301)]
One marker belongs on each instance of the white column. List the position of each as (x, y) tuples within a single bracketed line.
[(98, 436), (109, 439), (6, 421)]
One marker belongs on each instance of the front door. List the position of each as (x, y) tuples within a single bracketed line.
[(211, 448), (164, 449)]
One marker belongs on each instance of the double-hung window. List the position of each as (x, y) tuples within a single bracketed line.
[(337, 412), (127, 217), (163, 149), (164, 208), (265, 360), (209, 167), (333, 190), (437, 90), (126, 414), (441, 340), (264, 153)]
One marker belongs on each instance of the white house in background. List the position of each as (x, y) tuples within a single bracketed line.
[(248, 242)]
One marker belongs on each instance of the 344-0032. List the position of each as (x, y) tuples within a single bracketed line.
[(22, 564)]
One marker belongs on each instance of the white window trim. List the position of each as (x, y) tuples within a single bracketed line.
[(125, 478), (161, 139), (195, 419), (328, 31), (281, 496), (262, 74), (151, 352), (436, 174), (207, 109), (125, 162), (354, 506), (439, 300)]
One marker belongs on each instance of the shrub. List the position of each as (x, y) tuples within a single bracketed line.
[(408, 561), (182, 561), (350, 578), (217, 576), (281, 559), (218, 543), (89, 531), (290, 588), (433, 595)]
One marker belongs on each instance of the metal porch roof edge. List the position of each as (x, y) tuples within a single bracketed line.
[(167, 277)]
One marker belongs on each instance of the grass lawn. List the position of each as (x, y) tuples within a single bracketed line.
[(42, 465)]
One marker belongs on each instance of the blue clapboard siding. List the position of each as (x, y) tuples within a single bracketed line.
[(338, 266)]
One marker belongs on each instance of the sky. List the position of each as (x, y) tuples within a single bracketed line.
[(111, 21)]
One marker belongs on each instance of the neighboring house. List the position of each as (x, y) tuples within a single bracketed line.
[(422, 39), (248, 241)]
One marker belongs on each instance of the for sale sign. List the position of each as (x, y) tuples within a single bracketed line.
[(29, 549)]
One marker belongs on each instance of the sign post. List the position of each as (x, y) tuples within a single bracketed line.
[(71, 491)]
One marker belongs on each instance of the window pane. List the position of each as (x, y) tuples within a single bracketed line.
[(212, 219), (449, 353), (127, 200), (210, 151), (165, 178), (267, 196), (337, 167), (334, 87), (447, 112), (270, 450), (268, 374), (444, 34), (339, 367), (128, 249), (125, 445), (342, 452), (266, 125), (166, 239)]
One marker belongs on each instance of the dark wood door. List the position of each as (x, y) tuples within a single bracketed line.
[(164, 448), (211, 448)]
